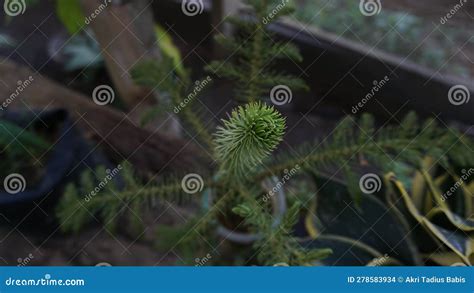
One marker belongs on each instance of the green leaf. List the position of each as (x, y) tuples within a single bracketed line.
[(70, 14), (459, 243), (20, 141), (169, 49), (242, 210)]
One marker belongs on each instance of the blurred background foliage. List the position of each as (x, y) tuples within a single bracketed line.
[(395, 32)]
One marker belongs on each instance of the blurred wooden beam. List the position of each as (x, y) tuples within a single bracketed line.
[(126, 36), (436, 9), (148, 150), (222, 9)]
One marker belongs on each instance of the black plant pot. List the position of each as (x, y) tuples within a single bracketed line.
[(67, 158)]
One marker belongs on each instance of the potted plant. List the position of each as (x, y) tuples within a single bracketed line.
[(242, 151)]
